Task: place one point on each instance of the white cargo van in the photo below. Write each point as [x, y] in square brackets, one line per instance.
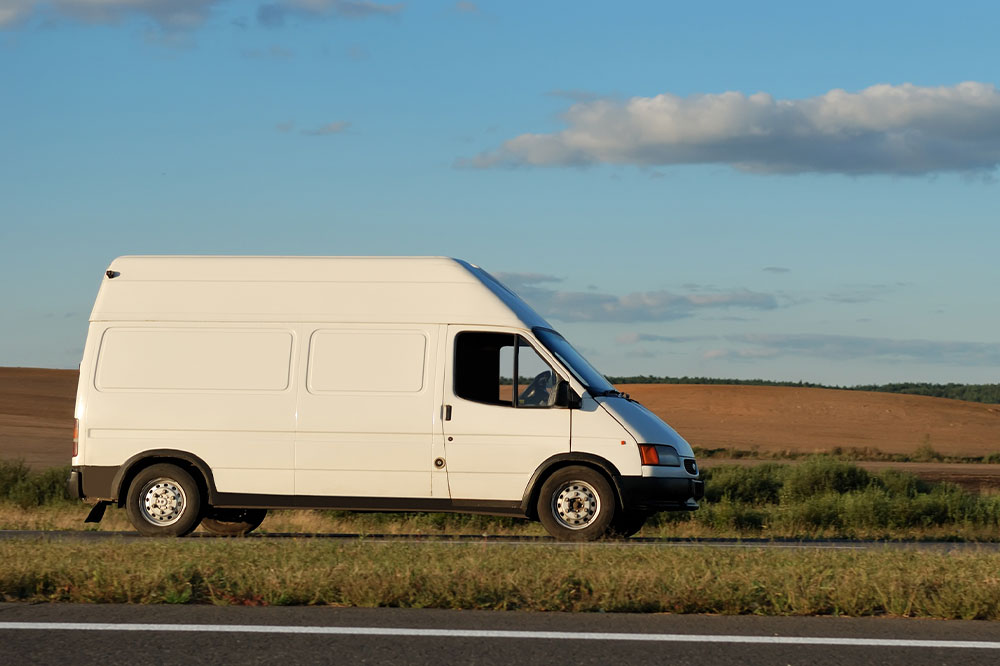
[215, 388]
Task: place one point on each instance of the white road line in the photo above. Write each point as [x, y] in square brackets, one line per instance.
[486, 633]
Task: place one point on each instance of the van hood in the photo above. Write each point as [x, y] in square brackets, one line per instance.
[644, 425]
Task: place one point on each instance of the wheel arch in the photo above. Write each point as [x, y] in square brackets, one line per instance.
[551, 465]
[195, 466]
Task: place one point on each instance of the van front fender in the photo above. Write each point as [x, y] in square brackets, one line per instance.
[530, 497]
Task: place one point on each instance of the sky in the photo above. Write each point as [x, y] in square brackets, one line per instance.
[778, 190]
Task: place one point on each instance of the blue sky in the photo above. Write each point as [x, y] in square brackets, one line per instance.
[773, 190]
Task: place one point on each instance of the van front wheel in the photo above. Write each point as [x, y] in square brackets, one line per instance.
[233, 522]
[163, 500]
[576, 504]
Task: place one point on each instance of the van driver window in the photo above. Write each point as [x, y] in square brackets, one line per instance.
[493, 368]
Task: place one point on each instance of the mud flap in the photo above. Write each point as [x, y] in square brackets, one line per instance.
[97, 513]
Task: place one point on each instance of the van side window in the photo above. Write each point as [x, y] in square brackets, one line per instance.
[493, 368]
[536, 383]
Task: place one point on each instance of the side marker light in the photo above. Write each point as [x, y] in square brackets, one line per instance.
[648, 454]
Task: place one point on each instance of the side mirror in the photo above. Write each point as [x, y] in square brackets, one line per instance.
[566, 397]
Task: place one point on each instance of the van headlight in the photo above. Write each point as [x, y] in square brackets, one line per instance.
[659, 454]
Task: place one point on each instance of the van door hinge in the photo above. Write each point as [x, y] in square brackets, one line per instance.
[447, 412]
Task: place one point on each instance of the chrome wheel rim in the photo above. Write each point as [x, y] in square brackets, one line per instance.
[576, 505]
[162, 502]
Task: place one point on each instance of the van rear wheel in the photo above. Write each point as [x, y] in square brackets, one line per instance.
[233, 522]
[576, 504]
[163, 500]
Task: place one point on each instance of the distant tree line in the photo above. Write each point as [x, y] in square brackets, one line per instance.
[987, 393]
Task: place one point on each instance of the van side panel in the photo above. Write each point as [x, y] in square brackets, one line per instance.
[194, 359]
[223, 393]
[366, 411]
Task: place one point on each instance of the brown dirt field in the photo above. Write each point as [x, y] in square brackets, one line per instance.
[36, 415]
[36, 418]
[811, 420]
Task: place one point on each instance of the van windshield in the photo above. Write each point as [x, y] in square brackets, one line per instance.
[581, 369]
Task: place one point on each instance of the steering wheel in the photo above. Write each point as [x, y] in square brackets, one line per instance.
[537, 392]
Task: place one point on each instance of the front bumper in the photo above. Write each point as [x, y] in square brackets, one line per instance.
[650, 493]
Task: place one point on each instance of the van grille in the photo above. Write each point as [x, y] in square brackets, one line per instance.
[691, 466]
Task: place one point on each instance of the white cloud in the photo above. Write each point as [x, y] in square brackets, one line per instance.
[330, 128]
[895, 129]
[640, 353]
[845, 347]
[739, 353]
[661, 305]
[12, 11]
[181, 14]
[169, 14]
[275, 13]
[634, 338]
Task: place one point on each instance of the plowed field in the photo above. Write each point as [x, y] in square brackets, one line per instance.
[36, 418]
[778, 418]
[36, 415]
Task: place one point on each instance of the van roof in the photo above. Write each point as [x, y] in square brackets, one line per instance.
[320, 289]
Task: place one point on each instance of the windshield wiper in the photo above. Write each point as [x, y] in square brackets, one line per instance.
[613, 393]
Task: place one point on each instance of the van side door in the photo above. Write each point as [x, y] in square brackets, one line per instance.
[500, 421]
[365, 411]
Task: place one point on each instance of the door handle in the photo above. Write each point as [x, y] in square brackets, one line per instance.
[447, 412]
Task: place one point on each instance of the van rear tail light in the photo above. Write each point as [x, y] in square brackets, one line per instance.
[659, 454]
[76, 438]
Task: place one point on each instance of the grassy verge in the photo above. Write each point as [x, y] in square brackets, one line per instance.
[22, 486]
[819, 497]
[719, 520]
[826, 496]
[538, 578]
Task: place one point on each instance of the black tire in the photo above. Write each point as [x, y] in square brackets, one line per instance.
[576, 504]
[233, 522]
[163, 500]
[625, 524]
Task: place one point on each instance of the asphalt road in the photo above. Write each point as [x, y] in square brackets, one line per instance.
[162, 635]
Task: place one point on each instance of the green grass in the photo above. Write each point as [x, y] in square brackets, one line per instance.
[819, 497]
[828, 497]
[474, 576]
[21, 485]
